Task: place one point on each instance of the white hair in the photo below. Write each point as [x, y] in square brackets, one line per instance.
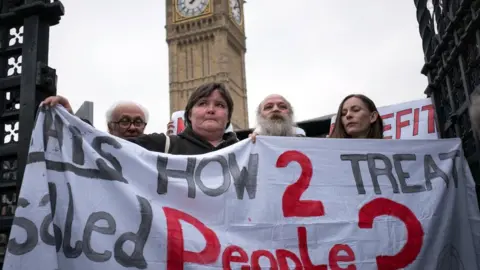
[109, 113]
[290, 107]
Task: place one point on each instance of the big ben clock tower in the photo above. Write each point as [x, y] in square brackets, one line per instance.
[206, 43]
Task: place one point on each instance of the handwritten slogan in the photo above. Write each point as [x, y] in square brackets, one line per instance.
[93, 201]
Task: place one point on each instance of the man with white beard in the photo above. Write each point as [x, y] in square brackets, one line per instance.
[275, 118]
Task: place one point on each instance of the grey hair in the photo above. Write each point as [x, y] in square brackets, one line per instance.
[290, 108]
[109, 113]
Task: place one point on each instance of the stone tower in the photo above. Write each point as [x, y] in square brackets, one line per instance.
[206, 43]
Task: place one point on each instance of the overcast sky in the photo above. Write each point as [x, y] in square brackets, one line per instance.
[312, 52]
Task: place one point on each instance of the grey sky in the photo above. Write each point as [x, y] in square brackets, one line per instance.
[312, 52]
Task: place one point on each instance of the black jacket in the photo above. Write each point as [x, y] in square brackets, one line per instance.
[185, 143]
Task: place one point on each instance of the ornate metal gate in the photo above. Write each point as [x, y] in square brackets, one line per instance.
[25, 80]
[450, 32]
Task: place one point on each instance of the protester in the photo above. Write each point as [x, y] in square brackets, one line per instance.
[358, 118]
[207, 114]
[275, 117]
[126, 119]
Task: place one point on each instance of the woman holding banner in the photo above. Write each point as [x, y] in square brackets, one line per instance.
[207, 115]
[359, 119]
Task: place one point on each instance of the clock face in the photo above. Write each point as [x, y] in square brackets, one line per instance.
[191, 8]
[236, 11]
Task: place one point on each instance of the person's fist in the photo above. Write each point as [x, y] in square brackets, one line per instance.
[54, 100]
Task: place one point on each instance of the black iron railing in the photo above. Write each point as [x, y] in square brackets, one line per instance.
[25, 80]
[450, 32]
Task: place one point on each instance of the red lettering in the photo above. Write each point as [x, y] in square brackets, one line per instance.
[334, 257]
[303, 247]
[176, 253]
[280, 260]
[177, 256]
[411, 249]
[291, 204]
[283, 255]
[180, 125]
[267, 254]
[401, 124]
[431, 117]
[416, 119]
[228, 257]
[387, 127]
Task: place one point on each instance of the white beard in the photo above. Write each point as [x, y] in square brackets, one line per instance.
[275, 127]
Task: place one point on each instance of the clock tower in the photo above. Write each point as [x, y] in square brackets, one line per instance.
[206, 43]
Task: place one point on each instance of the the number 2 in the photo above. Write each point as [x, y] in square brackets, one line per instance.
[291, 204]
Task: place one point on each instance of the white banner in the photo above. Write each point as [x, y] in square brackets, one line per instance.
[409, 120]
[282, 203]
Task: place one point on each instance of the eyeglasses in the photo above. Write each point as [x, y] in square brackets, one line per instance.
[126, 123]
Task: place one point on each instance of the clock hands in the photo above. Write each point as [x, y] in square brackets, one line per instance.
[191, 8]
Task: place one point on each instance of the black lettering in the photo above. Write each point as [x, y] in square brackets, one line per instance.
[376, 172]
[430, 164]
[357, 173]
[56, 132]
[403, 176]
[58, 166]
[90, 227]
[225, 173]
[139, 239]
[44, 200]
[452, 155]
[78, 155]
[22, 202]
[246, 179]
[106, 171]
[69, 251]
[164, 174]
[31, 230]
[47, 238]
